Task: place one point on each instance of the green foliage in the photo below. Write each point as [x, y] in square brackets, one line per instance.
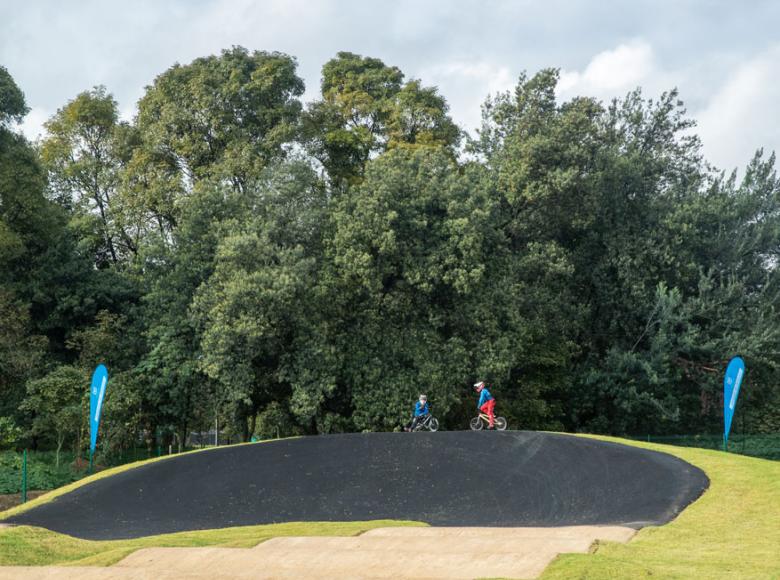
[275, 421]
[20, 351]
[101, 343]
[765, 446]
[27, 219]
[124, 412]
[223, 116]
[238, 260]
[10, 433]
[58, 405]
[45, 470]
[259, 294]
[83, 154]
[12, 105]
[365, 109]
[408, 251]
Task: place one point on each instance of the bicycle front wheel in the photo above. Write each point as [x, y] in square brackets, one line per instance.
[476, 424]
[433, 426]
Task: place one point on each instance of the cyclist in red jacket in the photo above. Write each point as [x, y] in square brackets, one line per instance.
[486, 402]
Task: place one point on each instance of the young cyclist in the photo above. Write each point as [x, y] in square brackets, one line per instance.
[486, 402]
[421, 411]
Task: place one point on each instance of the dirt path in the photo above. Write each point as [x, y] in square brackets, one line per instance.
[384, 553]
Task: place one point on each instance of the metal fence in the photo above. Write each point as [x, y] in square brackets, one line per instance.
[766, 446]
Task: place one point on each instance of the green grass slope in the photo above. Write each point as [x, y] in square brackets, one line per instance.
[732, 531]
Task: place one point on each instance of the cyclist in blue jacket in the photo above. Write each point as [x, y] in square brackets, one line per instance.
[421, 411]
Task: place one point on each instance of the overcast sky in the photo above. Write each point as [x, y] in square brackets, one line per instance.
[724, 56]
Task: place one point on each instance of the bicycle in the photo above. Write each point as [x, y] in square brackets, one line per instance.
[429, 423]
[482, 420]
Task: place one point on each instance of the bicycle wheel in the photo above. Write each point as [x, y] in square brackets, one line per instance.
[476, 424]
[500, 423]
[433, 425]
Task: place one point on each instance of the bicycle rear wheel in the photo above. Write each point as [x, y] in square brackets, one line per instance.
[500, 423]
[476, 424]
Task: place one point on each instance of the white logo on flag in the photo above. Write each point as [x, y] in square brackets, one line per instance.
[735, 392]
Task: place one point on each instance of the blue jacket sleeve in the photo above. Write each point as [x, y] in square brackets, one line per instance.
[484, 397]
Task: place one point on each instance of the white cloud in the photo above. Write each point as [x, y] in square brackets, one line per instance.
[743, 113]
[32, 125]
[491, 78]
[612, 73]
[736, 113]
[466, 86]
[468, 49]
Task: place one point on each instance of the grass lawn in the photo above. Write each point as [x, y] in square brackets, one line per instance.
[732, 531]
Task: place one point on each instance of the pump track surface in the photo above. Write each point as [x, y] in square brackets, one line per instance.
[496, 479]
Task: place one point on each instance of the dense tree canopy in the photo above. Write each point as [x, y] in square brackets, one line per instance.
[238, 258]
[365, 109]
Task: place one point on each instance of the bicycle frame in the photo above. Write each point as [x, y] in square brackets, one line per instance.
[483, 420]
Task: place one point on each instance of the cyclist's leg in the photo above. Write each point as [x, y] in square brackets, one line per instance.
[485, 409]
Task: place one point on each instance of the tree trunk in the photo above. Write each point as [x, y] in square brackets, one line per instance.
[182, 437]
[60, 441]
[151, 438]
[252, 424]
[245, 429]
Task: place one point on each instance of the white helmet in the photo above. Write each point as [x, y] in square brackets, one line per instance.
[479, 386]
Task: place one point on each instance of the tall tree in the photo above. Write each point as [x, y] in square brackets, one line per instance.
[223, 117]
[366, 108]
[84, 157]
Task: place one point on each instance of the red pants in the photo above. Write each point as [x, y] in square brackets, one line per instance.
[487, 408]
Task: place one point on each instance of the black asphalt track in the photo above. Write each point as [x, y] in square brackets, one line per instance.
[446, 479]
